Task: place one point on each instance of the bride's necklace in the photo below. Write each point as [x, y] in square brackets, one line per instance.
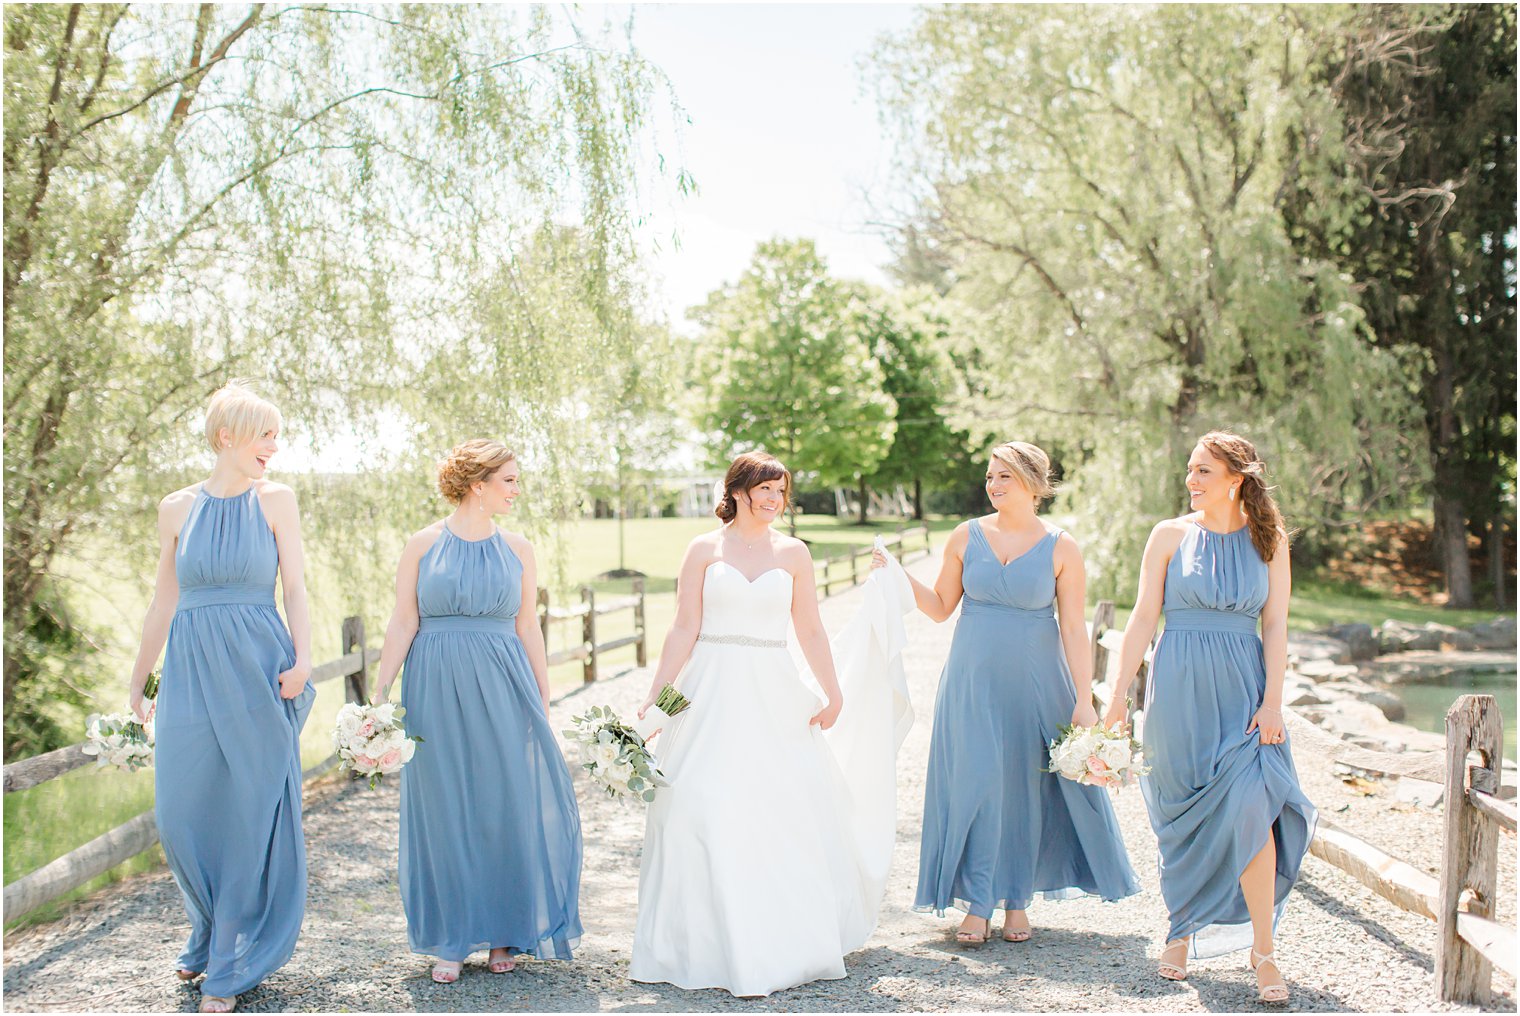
[748, 545]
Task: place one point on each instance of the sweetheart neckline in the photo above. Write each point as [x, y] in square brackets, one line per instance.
[747, 580]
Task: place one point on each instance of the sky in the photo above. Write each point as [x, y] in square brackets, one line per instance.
[783, 140]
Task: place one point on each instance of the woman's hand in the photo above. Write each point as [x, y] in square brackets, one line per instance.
[293, 681]
[135, 706]
[654, 693]
[1268, 724]
[1084, 715]
[1116, 716]
[826, 716]
[878, 559]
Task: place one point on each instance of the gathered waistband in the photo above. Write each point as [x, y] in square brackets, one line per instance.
[1208, 619]
[973, 607]
[466, 622]
[255, 594]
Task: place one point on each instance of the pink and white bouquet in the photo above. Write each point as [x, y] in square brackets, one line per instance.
[120, 739]
[1096, 756]
[371, 741]
[615, 755]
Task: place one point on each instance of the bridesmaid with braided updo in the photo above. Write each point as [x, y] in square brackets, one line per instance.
[1231, 822]
[490, 833]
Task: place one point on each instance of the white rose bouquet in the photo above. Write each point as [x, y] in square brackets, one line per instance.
[615, 755]
[371, 741]
[1096, 756]
[119, 739]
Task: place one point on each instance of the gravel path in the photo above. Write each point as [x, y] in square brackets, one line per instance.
[1343, 948]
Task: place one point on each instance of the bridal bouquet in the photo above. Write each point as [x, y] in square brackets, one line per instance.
[1096, 756]
[119, 739]
[615, 754]
[371, 741]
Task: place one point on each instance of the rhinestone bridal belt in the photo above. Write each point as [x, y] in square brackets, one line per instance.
[742, 640]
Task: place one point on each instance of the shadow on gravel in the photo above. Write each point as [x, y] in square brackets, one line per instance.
[1349, 912]
[1221, 991]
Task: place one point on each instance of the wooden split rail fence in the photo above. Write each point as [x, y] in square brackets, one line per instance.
[848, 568]
[140, 833]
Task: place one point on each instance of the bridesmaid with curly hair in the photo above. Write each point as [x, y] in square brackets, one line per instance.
[490, 832]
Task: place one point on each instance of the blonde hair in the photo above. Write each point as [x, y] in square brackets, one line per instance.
[1030, 464]
[243, 413]
[1263, 517]
[468, 464]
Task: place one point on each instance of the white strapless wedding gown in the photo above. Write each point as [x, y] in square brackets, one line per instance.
[766, 858]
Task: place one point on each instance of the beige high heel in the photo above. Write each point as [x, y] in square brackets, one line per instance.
[1169, 970]
[447, 971]
[971, 938]
[1273, 994]
[504, 965]
[1015, 934]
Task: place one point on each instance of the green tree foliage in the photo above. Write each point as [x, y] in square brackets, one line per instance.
[786, 369]
[352, 203]
[1101, 186]
[1426, 96]
[908, 332]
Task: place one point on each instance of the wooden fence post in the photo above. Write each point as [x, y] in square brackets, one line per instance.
[588, 633]
[1103, 619]
[1470, 852]
[641, 649]
[854, 569]
[353, 641]
[543, 616]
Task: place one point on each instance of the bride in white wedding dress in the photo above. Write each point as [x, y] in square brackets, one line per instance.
[766, 857]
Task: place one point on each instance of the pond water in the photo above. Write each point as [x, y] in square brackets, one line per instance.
[1427, 701]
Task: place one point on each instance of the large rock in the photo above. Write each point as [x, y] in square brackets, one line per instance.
[1397, 637]
[1325, 670]
[1496, 634]
[1305, 648]
[1359, 639]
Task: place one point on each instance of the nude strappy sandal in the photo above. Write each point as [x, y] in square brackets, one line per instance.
[1273, 994]
[1169, 970]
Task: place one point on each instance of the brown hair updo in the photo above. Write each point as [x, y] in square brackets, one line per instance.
[1262, 513]
[468, 464]
[747, 471]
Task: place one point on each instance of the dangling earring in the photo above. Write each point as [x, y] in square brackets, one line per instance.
[480, 502]
[1232, 492]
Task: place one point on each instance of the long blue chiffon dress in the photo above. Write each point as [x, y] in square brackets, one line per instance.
[996, 829]
[490, 831]
[227, 766]
[1214, 792]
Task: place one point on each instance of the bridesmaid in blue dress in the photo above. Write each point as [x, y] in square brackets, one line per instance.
[490, 832]
[232, 699]
[1231, 822]
[997, 830]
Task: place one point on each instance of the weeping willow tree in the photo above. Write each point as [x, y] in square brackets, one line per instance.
[350, 204]
[1102, 189]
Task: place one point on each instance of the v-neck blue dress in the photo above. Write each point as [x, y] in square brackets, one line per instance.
[997, 830]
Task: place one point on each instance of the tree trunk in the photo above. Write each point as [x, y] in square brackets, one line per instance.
[1496, 570]
[918, 500]
[1451, 531]
[864, 500]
